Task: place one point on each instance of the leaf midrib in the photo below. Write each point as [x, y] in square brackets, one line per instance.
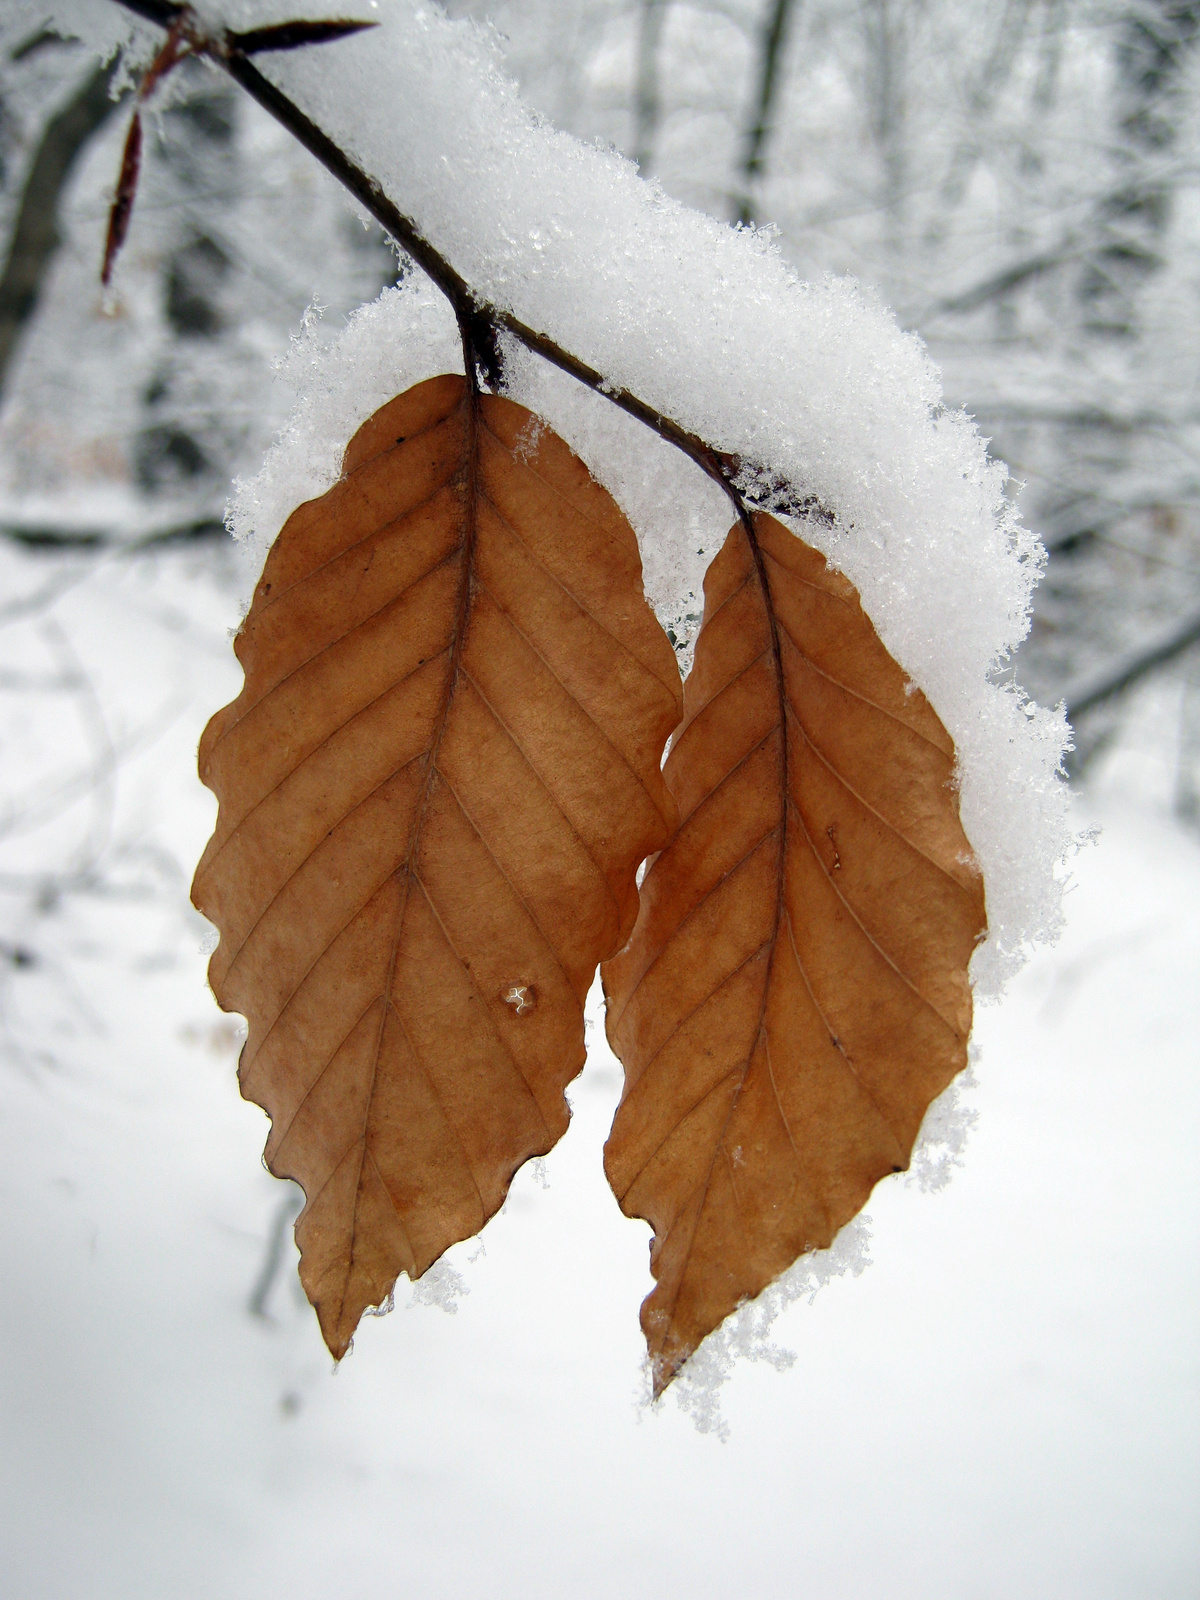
[756, 557]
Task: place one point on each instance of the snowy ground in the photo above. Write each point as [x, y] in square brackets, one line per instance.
[1005, 1404]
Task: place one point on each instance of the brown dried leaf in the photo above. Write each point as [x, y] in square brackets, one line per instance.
[795, 990]
[435, 787]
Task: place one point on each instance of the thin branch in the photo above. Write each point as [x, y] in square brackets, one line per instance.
[1010, 278]
[35, 43]
[39, 803]
[286, 1211]
[1114, 682]
[40, 536]
[1090, 237]
[31, 605]
[982, 95]
[484, 321]
[1088, 517]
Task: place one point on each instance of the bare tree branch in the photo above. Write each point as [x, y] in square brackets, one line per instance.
[273, 1256]
[1000, 283]
[41, 536]
[1117, 679]
[982, 94]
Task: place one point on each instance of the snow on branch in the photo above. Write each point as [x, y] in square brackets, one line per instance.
[791, 394]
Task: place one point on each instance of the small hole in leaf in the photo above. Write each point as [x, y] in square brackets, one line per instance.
[522, 997]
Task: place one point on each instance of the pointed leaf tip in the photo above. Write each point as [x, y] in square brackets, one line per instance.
[795, 992]
[293, 35]
[435, 790]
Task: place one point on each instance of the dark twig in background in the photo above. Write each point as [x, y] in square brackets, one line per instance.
[1115, 680]
[774, 35]
[647, 106]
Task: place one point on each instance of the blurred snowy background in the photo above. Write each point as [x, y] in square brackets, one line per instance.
[1007, 1402]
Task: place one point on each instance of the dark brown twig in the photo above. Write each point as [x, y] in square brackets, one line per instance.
[185, 38]
[293, 35]
[177, 44]
[122, 206]
[479, 322]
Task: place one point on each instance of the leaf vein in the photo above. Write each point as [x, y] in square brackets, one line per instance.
[300, 865]
[671, 689]
[574, 699]
[496, 1034]
[412, 1254]
[349, 633]
[317, 748]
[864, 930]
[856, 695]
[683, 921]
[544, 786]
[393, 526]
[517, 895]
[713, 698]
[679, 1122]
[282, 1139]
[436, 1092]
[867, 806]
[842, 1053]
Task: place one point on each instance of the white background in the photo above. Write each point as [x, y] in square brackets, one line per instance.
[1005, 1404]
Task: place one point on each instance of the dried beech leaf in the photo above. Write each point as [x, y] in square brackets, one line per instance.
[795, 990]
[435, 789]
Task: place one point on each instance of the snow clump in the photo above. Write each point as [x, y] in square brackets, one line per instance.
[815, 383]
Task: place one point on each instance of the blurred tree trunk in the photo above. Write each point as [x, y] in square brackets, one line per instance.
[36, 237]
[772, 38]
[647, 105]
[885, 25]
